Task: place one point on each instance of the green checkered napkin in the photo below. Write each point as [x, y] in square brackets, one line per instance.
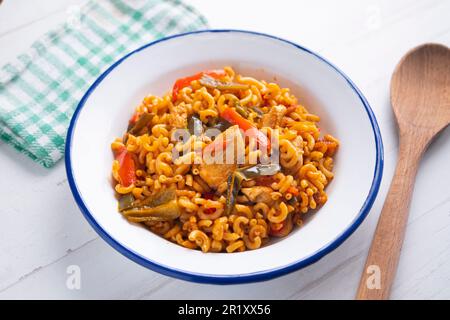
[40, 89]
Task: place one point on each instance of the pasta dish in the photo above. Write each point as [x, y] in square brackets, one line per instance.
[222, 163]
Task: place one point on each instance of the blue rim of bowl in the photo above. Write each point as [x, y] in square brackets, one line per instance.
[229, 279]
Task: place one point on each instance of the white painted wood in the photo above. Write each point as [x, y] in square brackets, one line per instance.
[22, 22]
[42, 231]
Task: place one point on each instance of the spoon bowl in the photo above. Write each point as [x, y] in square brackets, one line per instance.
[420, 92]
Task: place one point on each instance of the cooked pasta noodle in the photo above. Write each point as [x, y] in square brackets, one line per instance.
[165, 181]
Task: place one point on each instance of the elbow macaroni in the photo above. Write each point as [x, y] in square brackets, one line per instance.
[306, 161]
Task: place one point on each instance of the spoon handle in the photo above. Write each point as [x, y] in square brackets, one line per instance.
[381, 263]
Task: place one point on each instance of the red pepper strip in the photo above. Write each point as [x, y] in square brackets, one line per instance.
[184, 82]
[249, 128]
[134, 118]
[127, 170]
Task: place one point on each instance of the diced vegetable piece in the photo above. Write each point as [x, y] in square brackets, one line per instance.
[209, 196]
[293, 190]
[140, 124]
[184, 82]
[284, 230]
[212, 83]
[195, 125]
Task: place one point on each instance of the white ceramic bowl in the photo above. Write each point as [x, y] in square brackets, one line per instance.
[104, 110]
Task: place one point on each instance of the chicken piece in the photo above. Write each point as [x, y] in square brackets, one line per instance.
[215, 174]
[273, 117]
[228, 149]
[258, 194]
[178, 122]
[179, 117]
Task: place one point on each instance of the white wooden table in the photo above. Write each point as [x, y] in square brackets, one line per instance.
[42, 232]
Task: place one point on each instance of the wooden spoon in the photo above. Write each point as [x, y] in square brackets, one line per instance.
[420, 97]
